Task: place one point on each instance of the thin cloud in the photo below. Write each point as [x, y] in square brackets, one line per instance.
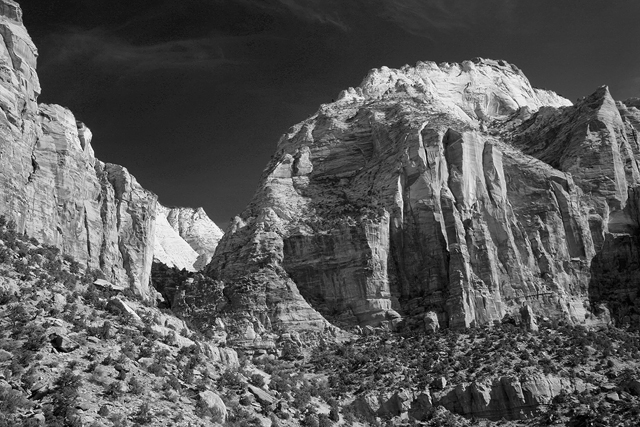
[424, 17]
[109, 51]
[418, 17]
[334, 13]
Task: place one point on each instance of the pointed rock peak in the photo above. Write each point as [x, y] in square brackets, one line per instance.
[603, 91]
[598, 98]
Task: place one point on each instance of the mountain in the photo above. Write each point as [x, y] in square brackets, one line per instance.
[57, 191]
[455, 192]
[443, 245]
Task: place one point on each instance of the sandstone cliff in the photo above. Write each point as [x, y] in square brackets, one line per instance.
[197, 229]
[169, 248]
[50, 182]
[455, 188]
[185, 238]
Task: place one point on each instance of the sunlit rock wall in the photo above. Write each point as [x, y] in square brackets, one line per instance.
[50, 182]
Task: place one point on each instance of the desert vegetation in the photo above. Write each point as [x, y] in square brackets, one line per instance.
[72, 355]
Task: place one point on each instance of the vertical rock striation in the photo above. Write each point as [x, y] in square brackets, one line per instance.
[456, 189]
[52, 185]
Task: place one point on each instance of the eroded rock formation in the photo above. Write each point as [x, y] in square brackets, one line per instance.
[185, 238]
[507, 398]
[452, 188]
[197, 229]
[52, 185]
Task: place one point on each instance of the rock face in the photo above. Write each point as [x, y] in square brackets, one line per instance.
[169, 248]
[52, 185]
[458, 188]
[528, 319]
[506, 397]
[185, 238]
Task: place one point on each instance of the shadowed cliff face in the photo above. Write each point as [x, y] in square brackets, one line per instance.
[434, 188]
[597, 143]
[50, 182]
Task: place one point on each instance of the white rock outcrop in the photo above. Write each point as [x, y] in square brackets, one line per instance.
[198, 230]
[185, 238]
[169, 248]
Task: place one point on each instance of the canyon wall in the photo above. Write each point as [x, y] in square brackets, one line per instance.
[52, 185]
[457, 189]
[450, 190]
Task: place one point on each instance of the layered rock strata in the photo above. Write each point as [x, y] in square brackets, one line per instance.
[453, 188]
[52, 185]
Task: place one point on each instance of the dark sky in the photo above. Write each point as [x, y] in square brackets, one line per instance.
[192, 95]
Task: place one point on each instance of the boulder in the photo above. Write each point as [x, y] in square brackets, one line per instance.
[367, 405]
[421, 407]
[214, 403]
[613, 397]
[431, 323]
[399, 403]
[262, 396]
[63, 343]
[105, 284]
[59, 301]
[5, 356]
[41, 388]
[117, 305]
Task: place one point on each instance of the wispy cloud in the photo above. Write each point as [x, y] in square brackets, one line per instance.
[334, 13]
[425, 17]
[418, 17]
[108, 51]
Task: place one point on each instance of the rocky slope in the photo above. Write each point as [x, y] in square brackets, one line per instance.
[79, 351]
[502, 374]
[456, 189]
